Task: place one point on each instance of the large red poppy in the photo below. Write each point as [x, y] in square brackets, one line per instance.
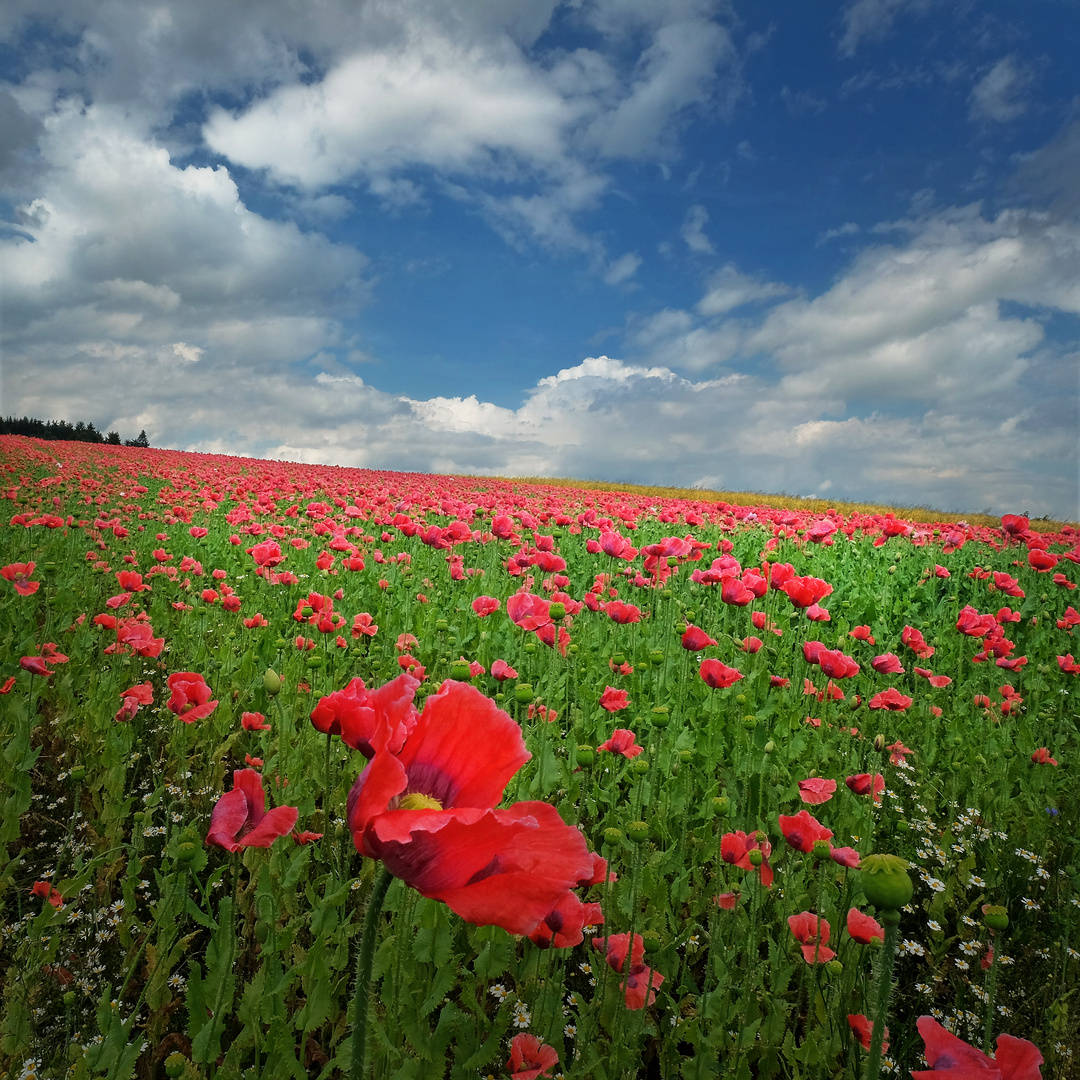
[190, 698]
[427, 810]
[1016, 1059]
[717, 675]
[801, 830]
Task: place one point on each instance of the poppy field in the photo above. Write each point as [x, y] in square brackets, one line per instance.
[324, 772]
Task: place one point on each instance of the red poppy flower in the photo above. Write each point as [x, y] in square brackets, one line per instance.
[19, 576]
[751, 644]
[502, 671]
[865, 784]
[717, 675]
[622, 742]
[931, 678]
[862, 633]
[190, 698]
[363, 624]
[816, 790]
[728, 900]
[47, 892]
[864, 1030]
[254, 721]
[813, 934]
[36, 665]
[266, 554]
[695, 639]
[8, 684]
[485, 605]
[356, 713]
[614, 700]
[805, 591]
[639, 979]
[890, 699]
[1042, 757]
[736, 848]
[863, 928]
[563, 928]
[898, 752]
[427, 810]
[240, 818]
[836, 664]
[816, 613]
[802, 830]
[528, 611]
[914, 640]
[622, 613]
[845, 856]
[530, 1058]
[1016, 1059]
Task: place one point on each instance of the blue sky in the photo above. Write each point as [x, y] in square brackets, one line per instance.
[826, 249]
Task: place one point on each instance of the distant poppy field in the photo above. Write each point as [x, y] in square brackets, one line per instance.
[323, 772]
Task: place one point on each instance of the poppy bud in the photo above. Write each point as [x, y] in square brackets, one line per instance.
[586, 756]
[638, 831]
[460, 670]
[557, 611]
[769, 747]
[995, 917]
[886, 882]
[879, 743]
[271, 682]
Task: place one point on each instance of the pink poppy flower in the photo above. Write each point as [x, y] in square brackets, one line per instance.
[863, 928]
[622, 742]
[717, 675]
[614, 700]
[813, 934]
[865, 784]
[530, 1058]
[1016, 1059]
[890, 699]
[816, 790]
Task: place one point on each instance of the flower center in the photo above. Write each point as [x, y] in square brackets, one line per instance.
[416, 801]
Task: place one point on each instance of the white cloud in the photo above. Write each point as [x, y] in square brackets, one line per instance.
[728, 289]
[622, 269]
[871, 20]
[692, 230]
[999, 94]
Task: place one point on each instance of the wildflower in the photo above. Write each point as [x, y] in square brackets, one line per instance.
[863, 928]
[1016, 1059]
[19, 576]
[190, 698]
[355, 712]
[622, 742]
[898, 753]
[47, 892]
[1042, 757]
[498, 992]
[530, 1058]
[425, 805]
[485, 605]
[717, 675]
[816, 790]
[641, 982]
[240, 818]
[614, 700]
[801, 830]
[522, 1016]
[748, 852]
[254, 721]
[695, 639]
[865, 784]
[864, 1030]
[502, 671]
[813, 933]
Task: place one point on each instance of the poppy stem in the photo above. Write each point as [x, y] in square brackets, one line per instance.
[891, 922]
[362, 986]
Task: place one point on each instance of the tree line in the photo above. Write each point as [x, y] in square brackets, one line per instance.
[62, 429]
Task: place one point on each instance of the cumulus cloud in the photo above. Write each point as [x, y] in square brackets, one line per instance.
[693, 227]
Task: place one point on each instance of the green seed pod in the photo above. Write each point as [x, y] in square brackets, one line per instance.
[903, 825]
[618, 659]
[639, 766]
[834, 967]
[442, 625]
[271, 682]
[315, 662]
[572, 648]
[821, 849]
[722, 805]
[557, 611]
[175, 1064]
[523, 693]
[740, 698]
[281, 643]
[186, 852]
[78, 774]
[886, 882]
[612, 835]
[69, 998]
[686, 756]
[530, 646]
[651, 940]
[638, 831]
[586, 756]
[755, 857]
[661, 716]
[995, 917]
[749, 721]
[656, 657]
[460, 670]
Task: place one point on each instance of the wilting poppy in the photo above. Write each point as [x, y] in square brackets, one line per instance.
[240, 818]
[890, 699]
[1016, 1059]
[427, 810]
[738, 848]
[1042, 757]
